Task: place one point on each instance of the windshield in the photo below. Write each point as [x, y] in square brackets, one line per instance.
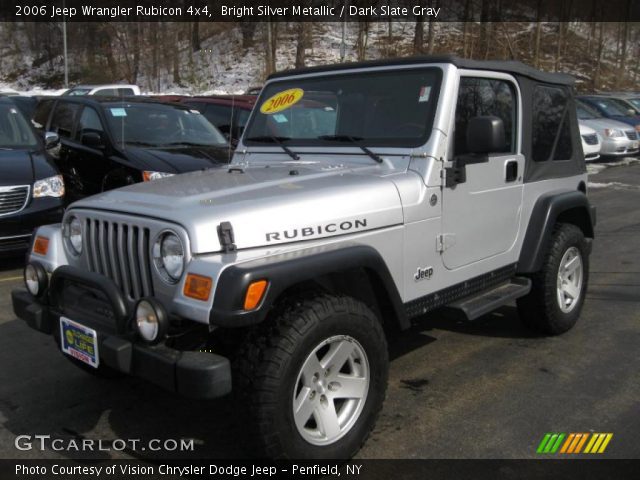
[635, 102]
[611, 106]
[14, 129]
[390, 108]
[160, 125]
[77, 91]
[586, 113]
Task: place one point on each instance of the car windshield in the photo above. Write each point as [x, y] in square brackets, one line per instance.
[586, 113]
[77, 91]
[14, 129]
[635, 102]
[611, 106]
[160, 125]
[373, 108]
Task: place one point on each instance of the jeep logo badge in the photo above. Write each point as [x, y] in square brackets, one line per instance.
[423, 273]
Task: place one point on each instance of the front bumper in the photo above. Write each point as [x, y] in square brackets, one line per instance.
[190, 373]
[17, 228]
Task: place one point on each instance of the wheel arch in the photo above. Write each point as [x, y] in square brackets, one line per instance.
[566, 207]
[358, 271]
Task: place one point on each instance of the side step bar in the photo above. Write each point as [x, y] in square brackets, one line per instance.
[474, 306]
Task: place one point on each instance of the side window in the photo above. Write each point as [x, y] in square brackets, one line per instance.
[125, 92]
[89, 122]
[63, 118]
[220, 116]
[41, 115]
[107, 92]
[551, 129]
[484, 96]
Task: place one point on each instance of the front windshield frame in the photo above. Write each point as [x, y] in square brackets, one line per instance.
[121, 137]
[27, 139]
[300, 81]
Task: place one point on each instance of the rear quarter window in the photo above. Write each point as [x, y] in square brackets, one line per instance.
[551, 130]
[41, 115]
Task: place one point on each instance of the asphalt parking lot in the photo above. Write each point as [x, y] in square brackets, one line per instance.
[489, 389]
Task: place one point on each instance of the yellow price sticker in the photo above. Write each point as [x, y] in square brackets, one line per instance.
[281, 101]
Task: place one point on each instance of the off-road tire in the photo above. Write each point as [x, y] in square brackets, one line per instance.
[269, 361]
[540, 309]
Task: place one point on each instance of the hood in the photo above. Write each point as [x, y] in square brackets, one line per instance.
[16, 167]
[179, 159]
[599, 124]
[585, 130]
[266, 205]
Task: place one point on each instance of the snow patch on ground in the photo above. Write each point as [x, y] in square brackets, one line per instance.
[614, 185]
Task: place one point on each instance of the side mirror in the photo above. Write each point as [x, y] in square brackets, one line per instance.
[486, 135]
[92, 140]
[51, 140]
[631, 112]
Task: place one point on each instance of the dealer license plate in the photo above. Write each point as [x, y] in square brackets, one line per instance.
[79, 341]
[635, 145]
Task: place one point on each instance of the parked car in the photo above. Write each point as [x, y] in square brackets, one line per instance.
[228, 113]
[618, 138]
[31, 188]
[108, 142]
[590, 142]
[114, 90]
[612, 108]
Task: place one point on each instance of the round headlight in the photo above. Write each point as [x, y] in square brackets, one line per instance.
[73, 233]
[35, 279]
[168, 255]
[151, 320]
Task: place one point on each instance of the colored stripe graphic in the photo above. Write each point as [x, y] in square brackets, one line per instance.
[574, 443]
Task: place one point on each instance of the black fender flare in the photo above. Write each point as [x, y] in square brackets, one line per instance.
[572, 205]
[289, 269]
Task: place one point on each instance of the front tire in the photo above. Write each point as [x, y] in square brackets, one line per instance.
[313, 378]
[554, 304]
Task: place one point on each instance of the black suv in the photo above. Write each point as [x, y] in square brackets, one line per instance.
[107, 143]
[31, 188]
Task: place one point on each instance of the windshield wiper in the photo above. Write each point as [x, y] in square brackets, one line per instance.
[141, 144]
[354, 140]
[191, 144]
[279, 140]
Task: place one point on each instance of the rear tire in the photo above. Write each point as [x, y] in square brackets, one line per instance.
[313, 378]
[557, 294]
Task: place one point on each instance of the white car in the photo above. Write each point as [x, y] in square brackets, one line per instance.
[591, 142]
[114, 90]
[618, 139]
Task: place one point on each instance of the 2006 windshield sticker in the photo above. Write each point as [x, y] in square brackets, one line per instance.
[281, 101]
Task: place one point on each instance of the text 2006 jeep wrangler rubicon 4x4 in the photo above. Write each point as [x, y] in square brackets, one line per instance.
[360, 196]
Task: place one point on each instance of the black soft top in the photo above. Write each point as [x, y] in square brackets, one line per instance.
[506, 66]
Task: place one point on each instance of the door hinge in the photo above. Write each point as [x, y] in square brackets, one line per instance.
[444, 241]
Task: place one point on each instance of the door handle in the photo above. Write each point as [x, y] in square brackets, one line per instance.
[511, 171]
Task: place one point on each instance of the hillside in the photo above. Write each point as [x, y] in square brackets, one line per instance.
[225, 58]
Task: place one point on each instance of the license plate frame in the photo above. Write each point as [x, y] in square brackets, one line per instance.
[79, 342]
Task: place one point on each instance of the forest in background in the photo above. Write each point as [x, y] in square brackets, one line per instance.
[196, 57]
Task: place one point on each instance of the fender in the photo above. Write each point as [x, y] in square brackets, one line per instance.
[570, 207]
[286, 270]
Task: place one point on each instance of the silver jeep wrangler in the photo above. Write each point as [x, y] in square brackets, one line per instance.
[360, 197]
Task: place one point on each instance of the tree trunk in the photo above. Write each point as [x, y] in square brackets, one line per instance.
[195, 37]
[301, 45]
[556, 65]
[484, 29]
[623, 50]
[418, 36]
[596, 75]
[270, 56]
[247, 30]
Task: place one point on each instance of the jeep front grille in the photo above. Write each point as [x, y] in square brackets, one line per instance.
[590, 139]
[120, 251]
[631, 134]
[13, 199]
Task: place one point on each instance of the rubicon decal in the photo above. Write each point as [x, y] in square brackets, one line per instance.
[572, 443]
[329, 228]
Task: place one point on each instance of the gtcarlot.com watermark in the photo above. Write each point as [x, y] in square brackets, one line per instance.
[47, 442]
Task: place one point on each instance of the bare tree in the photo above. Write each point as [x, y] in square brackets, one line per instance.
[301, 44]
[271, 45]
[418, 35]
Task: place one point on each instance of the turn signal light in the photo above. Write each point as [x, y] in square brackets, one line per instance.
[198, 287]
[254, 295]
[41, 245]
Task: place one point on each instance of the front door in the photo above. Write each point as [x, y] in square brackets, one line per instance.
[481, 216]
